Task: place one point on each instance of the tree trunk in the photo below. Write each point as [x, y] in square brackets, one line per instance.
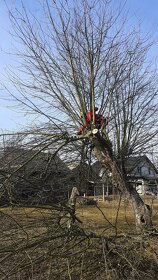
[103, 152]
[143, 212]
[72, 206]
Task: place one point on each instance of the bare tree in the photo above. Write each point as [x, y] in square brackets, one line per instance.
[77, 56]
[134, 103]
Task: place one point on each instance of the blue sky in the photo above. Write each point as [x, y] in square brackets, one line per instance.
[144, 12]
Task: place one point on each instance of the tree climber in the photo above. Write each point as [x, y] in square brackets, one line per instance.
[100, 122]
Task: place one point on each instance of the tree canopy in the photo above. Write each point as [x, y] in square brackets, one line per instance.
[77, 55]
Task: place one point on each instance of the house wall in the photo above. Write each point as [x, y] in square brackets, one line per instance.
[144, 169]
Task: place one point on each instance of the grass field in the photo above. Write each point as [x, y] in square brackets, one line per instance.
[114, 213]
[36, 244]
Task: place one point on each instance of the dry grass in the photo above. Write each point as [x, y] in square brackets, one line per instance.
[34, 245]
[112, 214]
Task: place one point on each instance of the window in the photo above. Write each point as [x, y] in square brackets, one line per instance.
[149, 170]
[139, 170]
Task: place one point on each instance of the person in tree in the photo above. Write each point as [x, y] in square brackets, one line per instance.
[100, 125]
[100, 122]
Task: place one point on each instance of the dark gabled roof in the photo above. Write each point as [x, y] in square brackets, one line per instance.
[97, 167]
[132, 162]
[31, 160]
[84, 171]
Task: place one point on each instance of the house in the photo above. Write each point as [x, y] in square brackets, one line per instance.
[85, 178]
[36, 177]
[142, 174]
[103, 186]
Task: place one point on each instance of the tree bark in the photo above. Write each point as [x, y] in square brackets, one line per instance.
[103, 152]
[72, 206]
